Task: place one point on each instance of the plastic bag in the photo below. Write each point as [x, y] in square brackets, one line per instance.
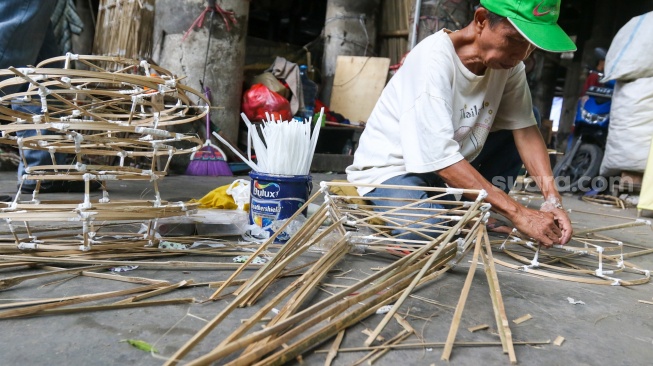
[259, 99]
[629, 56]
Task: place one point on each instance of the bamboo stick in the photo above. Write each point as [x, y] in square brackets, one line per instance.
[6, 283]
[436, 344]
[457, 315]
[333, 351]
[495, 293]
[132, 305]
[170, 264]
[30, 310]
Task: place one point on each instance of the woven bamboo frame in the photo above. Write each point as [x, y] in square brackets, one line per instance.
[95, 113]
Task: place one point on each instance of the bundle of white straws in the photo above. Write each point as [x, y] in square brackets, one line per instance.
[281, 147]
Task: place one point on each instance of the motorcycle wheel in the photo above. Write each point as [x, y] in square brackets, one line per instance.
[583, 167]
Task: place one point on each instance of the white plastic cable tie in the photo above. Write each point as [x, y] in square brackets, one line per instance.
[37, 118]
[80, 167]
[467, 204]
[647, 273]
[503, 245]
[76, 113]
[27, 246]
[84, 248]
[66, 82]
[485, 207]
[156, 116]
[137, 99]
[144, 64]
[60, 126]
[485, 217]
[153, 131]
[72, 56]
[25, 70]
[615, 282]
[482, 195]
[530, 244]
[172, 83]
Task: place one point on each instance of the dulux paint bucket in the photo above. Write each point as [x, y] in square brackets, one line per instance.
[275, 198]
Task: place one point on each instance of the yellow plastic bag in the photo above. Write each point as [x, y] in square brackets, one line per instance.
[222, 198]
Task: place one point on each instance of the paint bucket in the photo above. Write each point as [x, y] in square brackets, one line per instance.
[275, 198]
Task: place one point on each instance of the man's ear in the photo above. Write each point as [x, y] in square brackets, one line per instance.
[480, 19]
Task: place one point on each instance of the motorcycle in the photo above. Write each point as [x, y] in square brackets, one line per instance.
[586, 144]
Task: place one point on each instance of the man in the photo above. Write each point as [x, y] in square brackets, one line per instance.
[456, 90]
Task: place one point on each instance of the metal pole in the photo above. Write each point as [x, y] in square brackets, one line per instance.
[413, 33]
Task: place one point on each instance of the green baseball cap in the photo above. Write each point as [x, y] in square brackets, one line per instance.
[536, 20]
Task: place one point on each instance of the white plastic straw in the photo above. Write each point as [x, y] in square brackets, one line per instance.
[281, 147]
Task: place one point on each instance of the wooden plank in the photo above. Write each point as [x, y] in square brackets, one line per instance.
[357, 85]
[558, 341]
[522, 319]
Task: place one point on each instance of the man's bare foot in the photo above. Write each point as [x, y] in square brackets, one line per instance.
[498, 226]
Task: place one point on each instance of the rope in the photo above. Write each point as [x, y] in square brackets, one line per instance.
[227, 16]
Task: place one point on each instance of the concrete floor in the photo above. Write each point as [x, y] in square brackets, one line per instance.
[612, 328]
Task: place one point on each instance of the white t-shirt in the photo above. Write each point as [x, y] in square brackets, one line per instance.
[434, 112]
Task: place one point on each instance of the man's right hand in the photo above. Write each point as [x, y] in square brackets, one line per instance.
[541, 226]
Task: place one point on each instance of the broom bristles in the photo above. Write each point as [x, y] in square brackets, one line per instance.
[209, 162]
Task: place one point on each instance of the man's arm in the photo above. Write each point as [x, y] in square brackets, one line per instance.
[533, 153]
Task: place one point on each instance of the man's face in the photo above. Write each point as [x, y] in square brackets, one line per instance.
[502, 46]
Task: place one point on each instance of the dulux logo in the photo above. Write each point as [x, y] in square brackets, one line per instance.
[270, 190]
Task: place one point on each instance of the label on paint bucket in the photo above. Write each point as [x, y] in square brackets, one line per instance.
[275, 198]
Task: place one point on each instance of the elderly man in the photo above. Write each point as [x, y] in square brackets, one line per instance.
[459, 112]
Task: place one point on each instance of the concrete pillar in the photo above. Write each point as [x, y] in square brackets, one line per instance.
[223, 69]
[349, 30]
[438, 14]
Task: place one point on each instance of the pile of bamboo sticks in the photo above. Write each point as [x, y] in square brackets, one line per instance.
[124, 29]
[295, 329]
[395, 20]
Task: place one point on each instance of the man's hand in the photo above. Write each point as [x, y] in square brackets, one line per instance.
[553, 205]
[542, 226]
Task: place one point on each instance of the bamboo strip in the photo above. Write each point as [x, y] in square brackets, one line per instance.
[133, 305]
[170, 264]
[457, 315]
[436, 344]
[371, 356]
[333, 351]
[159, 291]
[495, 293]
[613, 227]
[6, 283]
[30, 310]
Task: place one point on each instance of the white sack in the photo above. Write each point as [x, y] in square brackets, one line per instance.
[631, 127]
[629, 56]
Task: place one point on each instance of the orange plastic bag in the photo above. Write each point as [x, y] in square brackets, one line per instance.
[259, 99]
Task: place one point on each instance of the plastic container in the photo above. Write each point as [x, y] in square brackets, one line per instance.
[309, 88]
[275, 198]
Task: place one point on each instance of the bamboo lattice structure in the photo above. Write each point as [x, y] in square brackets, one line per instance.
[89, 114]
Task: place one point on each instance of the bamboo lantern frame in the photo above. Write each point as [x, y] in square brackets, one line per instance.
[93, 113]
